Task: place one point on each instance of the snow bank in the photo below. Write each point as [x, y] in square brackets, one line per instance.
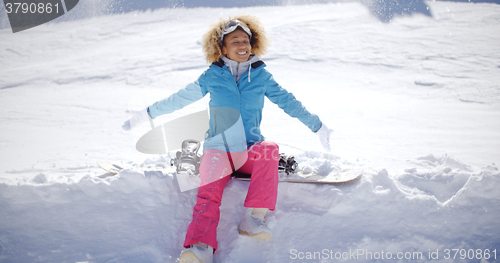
[438, 204]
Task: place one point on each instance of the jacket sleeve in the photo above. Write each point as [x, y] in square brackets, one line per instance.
[189, 94]
[286, 101]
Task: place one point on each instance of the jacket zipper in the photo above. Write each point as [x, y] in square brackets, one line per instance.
[236, 75]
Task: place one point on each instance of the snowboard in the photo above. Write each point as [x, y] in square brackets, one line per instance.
[334, 178]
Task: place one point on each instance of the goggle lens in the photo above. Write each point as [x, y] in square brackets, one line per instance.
[232, 25]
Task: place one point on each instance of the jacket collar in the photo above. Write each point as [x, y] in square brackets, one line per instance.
[254, 65]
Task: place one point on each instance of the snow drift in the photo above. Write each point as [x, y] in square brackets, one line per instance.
[438, 204]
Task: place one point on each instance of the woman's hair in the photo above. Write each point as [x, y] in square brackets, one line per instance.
[212, 45]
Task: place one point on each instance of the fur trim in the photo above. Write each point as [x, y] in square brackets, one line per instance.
[211, 39]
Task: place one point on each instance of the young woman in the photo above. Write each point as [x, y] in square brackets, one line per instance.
[237, 82]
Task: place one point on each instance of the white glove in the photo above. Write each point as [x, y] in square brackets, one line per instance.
[324, 136]
[138, 117]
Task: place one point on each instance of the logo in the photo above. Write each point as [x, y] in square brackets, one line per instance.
[25, 14]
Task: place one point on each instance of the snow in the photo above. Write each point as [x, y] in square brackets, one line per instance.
[415, 102]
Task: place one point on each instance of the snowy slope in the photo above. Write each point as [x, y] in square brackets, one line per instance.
[414, 102]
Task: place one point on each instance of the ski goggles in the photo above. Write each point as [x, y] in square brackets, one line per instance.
[232, 25]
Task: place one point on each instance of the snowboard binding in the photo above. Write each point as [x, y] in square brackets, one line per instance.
[287, 164]
[187, 160]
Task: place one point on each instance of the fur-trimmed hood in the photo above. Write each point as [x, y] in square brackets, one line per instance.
[211, 39]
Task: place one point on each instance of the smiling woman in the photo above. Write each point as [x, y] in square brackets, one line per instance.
[212, 40]
[236, 46]
[233, 47]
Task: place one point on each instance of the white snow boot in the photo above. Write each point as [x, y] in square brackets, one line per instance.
[197, 253]
[254, 225]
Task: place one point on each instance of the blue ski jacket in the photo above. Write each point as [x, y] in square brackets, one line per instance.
[246, 96]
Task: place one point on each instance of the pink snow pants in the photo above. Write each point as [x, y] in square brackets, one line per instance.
[262, 164]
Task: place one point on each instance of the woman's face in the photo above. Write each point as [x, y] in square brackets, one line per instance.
[237, 46]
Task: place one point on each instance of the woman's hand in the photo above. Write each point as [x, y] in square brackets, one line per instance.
[324, 136]
[138, 117]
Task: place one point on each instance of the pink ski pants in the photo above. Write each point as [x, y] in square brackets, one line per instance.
[262, 164]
